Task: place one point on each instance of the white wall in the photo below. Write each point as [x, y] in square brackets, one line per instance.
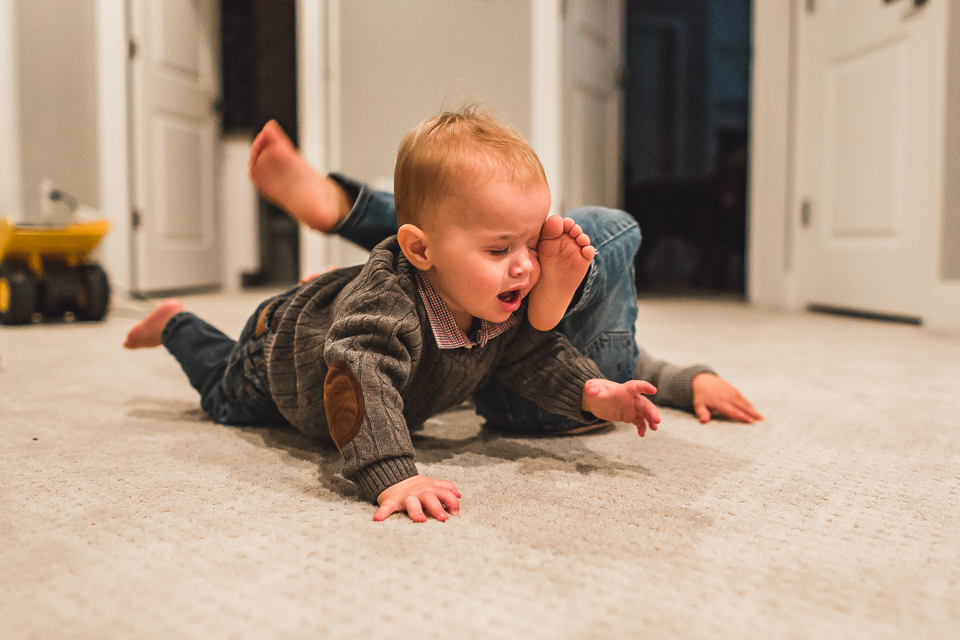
[401, 61]
[56, 52]
[10, 204]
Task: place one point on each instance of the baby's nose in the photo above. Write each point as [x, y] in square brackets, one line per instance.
[522, 266]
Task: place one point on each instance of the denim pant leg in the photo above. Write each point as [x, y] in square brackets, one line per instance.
[600, 324]
[373, 217]
[231, 376]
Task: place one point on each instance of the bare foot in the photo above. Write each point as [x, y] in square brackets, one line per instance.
[284, 177]
[565, 253]
[146, 333]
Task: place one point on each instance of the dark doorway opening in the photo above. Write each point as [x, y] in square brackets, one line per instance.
[686, 124]
[259, 75]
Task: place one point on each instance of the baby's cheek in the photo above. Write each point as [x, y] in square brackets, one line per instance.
[482, 282]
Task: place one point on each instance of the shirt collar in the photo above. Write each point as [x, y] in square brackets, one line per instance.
[445, 330]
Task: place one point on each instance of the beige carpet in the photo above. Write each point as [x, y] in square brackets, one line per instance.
[125, 514]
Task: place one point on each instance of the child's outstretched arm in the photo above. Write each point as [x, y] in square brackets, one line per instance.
[415, 494]
[625, 402]
[564, 252]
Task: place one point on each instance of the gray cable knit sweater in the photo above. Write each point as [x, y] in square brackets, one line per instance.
[352, 357]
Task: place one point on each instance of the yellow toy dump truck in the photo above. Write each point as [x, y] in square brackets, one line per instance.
[47, 269]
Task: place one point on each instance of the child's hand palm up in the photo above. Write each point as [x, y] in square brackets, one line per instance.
[622, 403]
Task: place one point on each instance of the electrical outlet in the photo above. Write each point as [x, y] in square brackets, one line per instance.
[46, 204]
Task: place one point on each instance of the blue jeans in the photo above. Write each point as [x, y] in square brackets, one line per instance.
[230, 375]
[600, 322]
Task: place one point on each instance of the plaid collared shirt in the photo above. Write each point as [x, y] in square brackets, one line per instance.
[445, 330]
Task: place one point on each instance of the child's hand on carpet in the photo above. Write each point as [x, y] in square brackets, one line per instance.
[712, 393]
[415, 494]
[625, 402]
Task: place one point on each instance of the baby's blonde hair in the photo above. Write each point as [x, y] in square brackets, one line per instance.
[450, 152]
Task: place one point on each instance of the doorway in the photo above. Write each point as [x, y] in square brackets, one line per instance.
[686, 141]
[259, 84]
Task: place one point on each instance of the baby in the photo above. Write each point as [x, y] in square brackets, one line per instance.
[359, 355]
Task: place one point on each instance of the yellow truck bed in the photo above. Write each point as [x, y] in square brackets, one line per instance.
[70, 244]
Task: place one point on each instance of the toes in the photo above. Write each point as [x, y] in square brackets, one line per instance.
[552, 228]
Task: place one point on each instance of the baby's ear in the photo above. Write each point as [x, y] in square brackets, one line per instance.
[413, 243]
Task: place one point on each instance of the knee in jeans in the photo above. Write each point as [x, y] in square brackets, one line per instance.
[605, 225]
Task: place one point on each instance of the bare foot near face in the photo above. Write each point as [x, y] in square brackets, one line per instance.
[146, 333]
[284, 177]
[565, 253]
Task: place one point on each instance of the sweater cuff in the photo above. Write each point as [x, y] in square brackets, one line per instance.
[374, 478]
[682, 388]
[571, 395]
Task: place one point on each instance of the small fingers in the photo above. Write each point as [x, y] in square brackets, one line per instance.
[735, 413]
[450, 500]
[703, 414]
[747, 408]
[642, 386]
[386, 509]
[413, 508]
[652, 415]
[434, 507]
[646, 415]
[449, 486]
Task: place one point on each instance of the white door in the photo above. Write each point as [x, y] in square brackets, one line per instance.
[592, 102]
[869, 118]
[176, 127]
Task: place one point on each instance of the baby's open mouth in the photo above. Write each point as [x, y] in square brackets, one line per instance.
[510, 296]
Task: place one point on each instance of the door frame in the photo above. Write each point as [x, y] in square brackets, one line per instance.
[113, 115]
[318, 87]
[772, 278]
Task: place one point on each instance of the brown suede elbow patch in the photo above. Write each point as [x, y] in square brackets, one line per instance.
[343, 404]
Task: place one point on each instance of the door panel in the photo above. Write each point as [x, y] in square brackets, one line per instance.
[864, 144]
[592, 102]
[179, 147]
[175, 86]
[869, 84]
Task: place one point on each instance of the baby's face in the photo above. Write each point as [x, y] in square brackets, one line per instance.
[484, 253]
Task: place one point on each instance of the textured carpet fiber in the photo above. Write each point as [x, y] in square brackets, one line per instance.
[124, 513]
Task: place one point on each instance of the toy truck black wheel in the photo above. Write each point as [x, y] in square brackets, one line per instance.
[93, 301]
[18, 296]
[59, 290]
